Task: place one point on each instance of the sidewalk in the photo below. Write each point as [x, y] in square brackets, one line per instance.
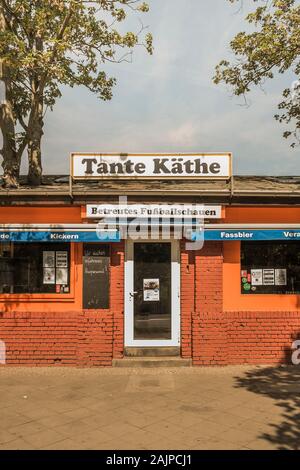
[192, 408]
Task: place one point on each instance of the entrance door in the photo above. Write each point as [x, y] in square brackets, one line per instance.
[152, 303]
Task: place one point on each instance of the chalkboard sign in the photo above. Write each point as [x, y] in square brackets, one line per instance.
[96, 260]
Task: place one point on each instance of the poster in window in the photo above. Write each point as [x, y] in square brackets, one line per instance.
[61, 276]
[48, 259]
[256, 277]
[268, 277]
[61, 259]
[49, 276]
[280, 277]
[151, 290]
[246, 286]
[6, 250]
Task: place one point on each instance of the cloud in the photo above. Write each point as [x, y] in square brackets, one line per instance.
[183, 135]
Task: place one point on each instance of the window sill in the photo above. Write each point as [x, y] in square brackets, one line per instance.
[37, 297]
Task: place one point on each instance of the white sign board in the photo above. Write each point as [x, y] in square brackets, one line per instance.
[268, 277]
[119, 166]
[61, 259]
[256, 277]
[174, 211]
[280, 277]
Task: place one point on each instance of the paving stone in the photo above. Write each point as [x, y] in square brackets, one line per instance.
[5, 437]
[118, 429]
[189, 408]
[66, 444]
[17, 444]
[74, 428]
[92, 439]
[42, 439]
[26, 429]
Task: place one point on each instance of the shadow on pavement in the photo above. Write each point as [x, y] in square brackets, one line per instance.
[282, 384]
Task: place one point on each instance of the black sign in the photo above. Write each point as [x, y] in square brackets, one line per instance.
[96, 259]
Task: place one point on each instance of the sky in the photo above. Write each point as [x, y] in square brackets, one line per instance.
[168, 102]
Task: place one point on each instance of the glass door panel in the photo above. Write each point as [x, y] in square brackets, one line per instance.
[152, 291]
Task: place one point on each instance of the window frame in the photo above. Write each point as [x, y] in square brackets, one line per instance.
[51, 297]
[253, 293]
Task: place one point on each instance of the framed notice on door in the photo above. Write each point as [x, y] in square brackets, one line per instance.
[151, 290]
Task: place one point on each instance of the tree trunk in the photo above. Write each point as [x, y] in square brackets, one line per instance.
[35, 170]
[11, 160]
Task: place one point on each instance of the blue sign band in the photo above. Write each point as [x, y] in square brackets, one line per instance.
[249, 235]
[93, 236]
[53, 236]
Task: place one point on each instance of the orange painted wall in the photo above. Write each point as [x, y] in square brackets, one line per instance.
[71, 302]
[45, 303]
[74, 214]
[39, 215]
[233, 300]
[259, 215]
[50, 302]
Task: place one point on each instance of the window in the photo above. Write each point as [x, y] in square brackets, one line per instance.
[270, 267]
[31, 268]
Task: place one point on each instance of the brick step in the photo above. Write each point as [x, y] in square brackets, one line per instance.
[167, 361]
[152, 352]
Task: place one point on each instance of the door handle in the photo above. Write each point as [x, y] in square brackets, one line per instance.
[132, 294]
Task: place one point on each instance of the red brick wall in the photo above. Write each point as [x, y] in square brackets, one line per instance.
[84, 338]
[95, 338]
[39, 338]
[207, 321]
[220, 338]
[187, 297]
[117, 297]
[260, 337]
[70, 338]
[246, 338]
[208, 335]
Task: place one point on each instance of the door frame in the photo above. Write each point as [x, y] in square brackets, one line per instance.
[129, 340]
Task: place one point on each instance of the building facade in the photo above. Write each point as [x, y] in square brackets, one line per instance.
[72, 293]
